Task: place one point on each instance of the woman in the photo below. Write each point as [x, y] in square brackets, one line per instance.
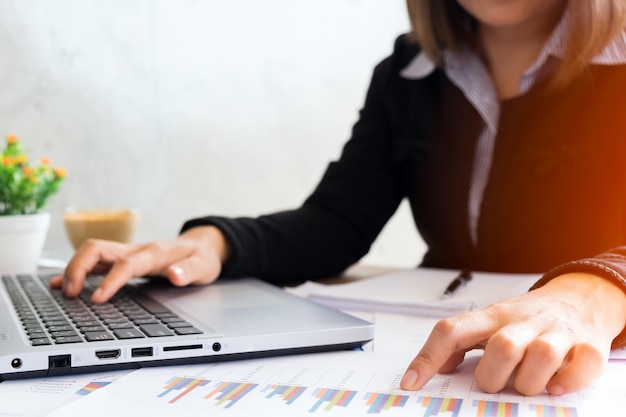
[501, 123]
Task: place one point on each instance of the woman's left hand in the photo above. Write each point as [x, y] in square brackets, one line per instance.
[555, 338]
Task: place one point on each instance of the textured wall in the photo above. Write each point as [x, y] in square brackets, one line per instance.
[185, 107]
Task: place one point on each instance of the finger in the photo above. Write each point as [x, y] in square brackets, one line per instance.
[87, 257]
[138, 263]
[585, 363]
[119, 274]
[544, 356]
[192, 270]
[503, 352]
[100, 268]
[56, 282]
[151, 259]
[453, 361]
[449, 336]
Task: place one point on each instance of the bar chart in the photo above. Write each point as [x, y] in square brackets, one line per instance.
[289, 394]
[378, 401]
[309, 391]
[92, 386]
[435, 406]
[183, 385]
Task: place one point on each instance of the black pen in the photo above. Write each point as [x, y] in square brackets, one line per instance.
[463, 278]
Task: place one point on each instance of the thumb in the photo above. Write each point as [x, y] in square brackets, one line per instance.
[192, 270]
[177, 275]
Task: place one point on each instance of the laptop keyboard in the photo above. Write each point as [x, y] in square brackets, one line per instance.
[49, 318]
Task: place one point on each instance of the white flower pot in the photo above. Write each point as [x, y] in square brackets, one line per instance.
[22, 238]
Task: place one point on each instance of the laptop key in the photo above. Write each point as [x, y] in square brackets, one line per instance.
[124, 325]
[64, 333]
[59, 328]
[165, 315]
[128, 334]
[69, 339]
[56, 323]
[139, 322]
[40, 341]
[178, 324]
[151, 305]
[115, 320]
[155, 330]
[84, 329]
[139, 316]
[111, 316]
[98, 336]
[187, 330]
[87, 323]
[172, 319]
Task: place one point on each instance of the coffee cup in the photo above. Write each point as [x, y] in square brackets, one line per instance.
[109, 224]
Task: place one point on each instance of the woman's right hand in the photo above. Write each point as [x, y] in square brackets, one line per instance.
[194, 257]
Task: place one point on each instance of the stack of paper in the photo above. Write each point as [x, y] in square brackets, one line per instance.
[419, 292]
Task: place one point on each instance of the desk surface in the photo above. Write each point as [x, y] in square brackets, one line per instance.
[342, 383]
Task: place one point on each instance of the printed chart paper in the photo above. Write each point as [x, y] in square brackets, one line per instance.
[334, 384]
[39, 396]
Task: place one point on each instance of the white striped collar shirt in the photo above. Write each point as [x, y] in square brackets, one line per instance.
[467, 71]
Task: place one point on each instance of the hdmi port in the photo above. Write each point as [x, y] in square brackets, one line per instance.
[108, 354]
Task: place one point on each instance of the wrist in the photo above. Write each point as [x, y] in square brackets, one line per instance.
[595, 293]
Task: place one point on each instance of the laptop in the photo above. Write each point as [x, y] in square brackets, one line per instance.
[153, 323]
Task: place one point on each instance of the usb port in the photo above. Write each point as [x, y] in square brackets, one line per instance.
[141, 352]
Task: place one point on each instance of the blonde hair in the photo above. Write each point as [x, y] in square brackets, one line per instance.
[440, 24]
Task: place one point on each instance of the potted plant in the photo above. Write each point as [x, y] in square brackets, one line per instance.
[24, 192]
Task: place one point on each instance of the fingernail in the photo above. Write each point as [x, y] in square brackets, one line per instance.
[180, 272]
[556, 390]
[409, 379]
[67, 287]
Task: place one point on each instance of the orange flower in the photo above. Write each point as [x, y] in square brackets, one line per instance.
[11, 139]
[60, 173]
[45, 161]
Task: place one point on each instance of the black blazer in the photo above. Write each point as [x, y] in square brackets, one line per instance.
[556, 194]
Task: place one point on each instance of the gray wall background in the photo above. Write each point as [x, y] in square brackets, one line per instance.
[181, 108]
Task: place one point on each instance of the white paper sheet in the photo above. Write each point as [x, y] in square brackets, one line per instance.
[39, 396]
[418, 292]
[342, 384]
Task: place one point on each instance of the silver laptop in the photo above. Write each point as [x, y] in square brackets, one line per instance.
[153, 323]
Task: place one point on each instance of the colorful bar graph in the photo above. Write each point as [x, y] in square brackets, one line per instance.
[231, 392]
[91, 387]
[186, 385]
[435, 405]
[495, 409]
[288, 393]
[378, 402]
[552, 411]
[333, 397]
